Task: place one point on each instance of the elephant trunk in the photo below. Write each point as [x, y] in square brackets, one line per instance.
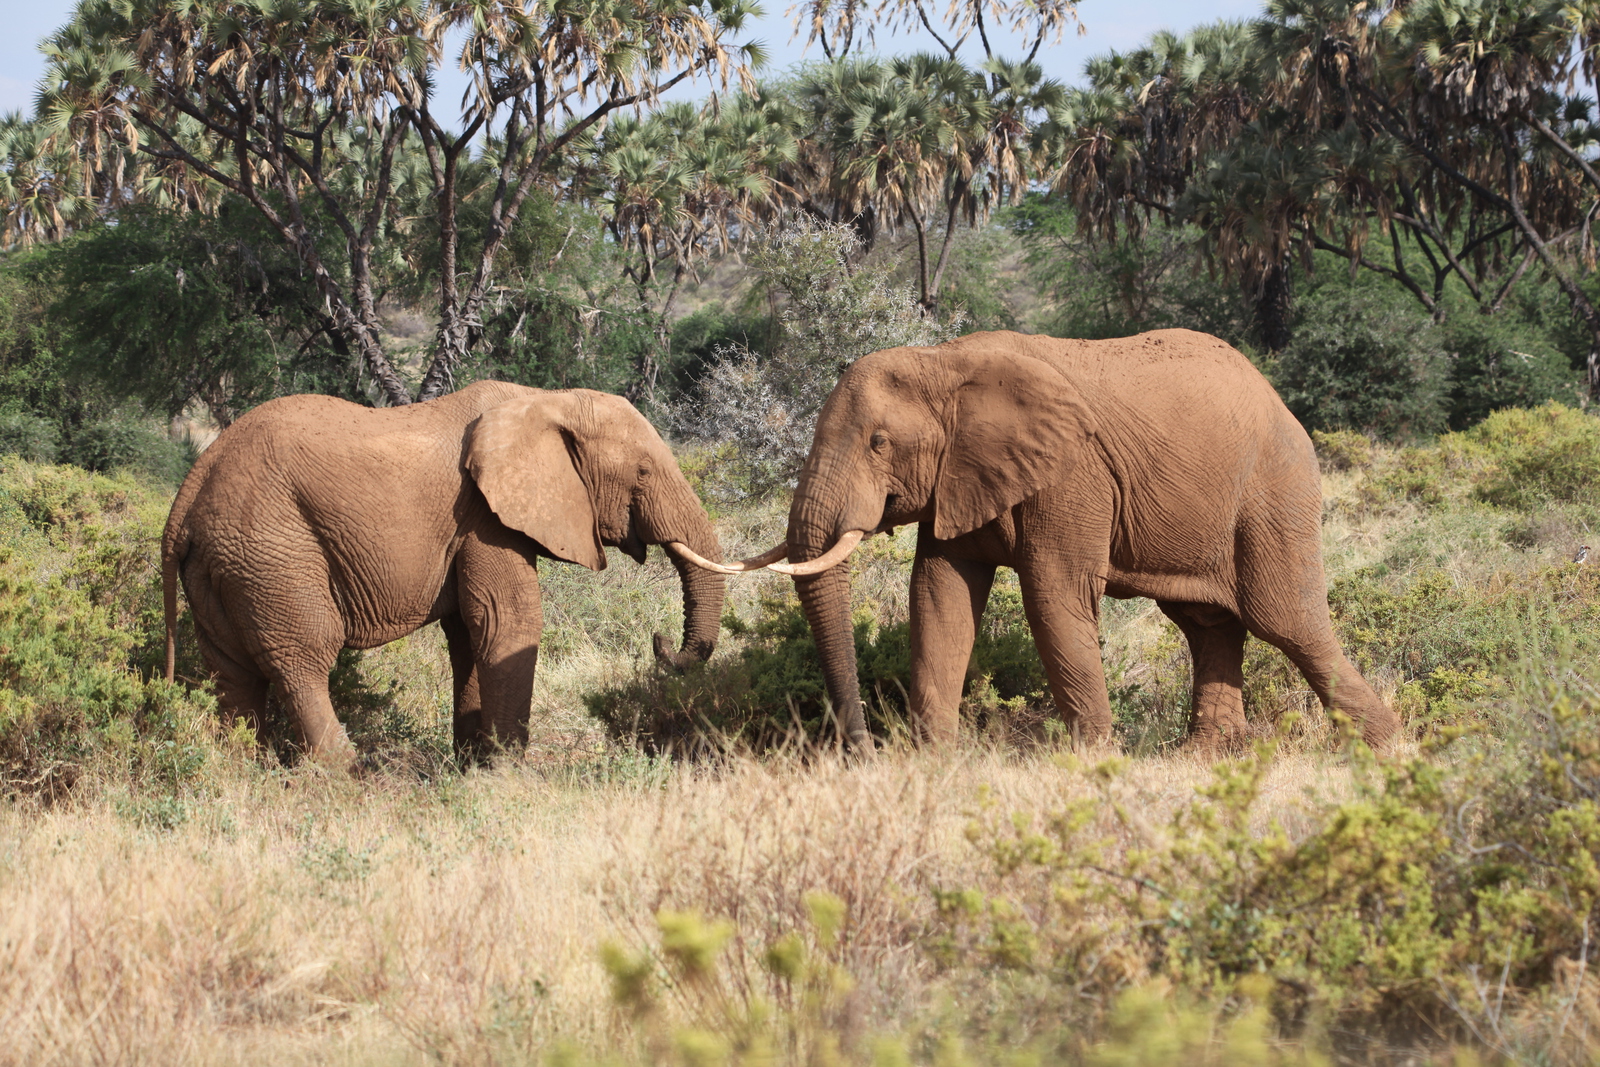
[825, 599]
[703, 596]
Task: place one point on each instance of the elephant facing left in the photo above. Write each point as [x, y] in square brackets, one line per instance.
[313, 524]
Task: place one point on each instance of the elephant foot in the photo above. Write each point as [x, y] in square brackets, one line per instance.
[1379, 728]
[1213, 744]
[1090, 731]
[336, 758]
[1208, 736]
[467, 740]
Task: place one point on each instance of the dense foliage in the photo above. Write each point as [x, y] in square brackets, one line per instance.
[231, 224]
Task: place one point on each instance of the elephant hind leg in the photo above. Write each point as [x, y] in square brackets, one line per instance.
[1216, 644]
[320, 729]
[241, 686]
[297, 651]
[1311, 646]
[241, 689]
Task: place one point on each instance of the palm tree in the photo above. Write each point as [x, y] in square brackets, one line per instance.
[840, 25]
[40, 185]
[678, 186]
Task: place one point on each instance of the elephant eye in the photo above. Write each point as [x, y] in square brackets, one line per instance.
[880, 441]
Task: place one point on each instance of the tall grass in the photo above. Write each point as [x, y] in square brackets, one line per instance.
[169, 892]
[296, 917]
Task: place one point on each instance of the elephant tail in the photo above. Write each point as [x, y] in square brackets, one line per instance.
[169, 607]
[174, 547]
[170, 554]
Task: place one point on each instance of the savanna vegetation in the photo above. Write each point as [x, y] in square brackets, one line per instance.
[1389, 208]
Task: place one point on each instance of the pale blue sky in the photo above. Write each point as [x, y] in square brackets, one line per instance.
[1119, 24]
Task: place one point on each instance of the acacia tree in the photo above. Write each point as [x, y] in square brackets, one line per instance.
[302, 108]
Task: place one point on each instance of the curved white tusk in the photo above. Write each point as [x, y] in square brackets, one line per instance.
[834, 556]
[754, 563]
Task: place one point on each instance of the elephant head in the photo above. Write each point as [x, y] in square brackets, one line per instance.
[951, 436]
[578, 470]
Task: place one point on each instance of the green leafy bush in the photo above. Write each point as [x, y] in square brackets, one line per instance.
[128, 440]
[1453, 645]
[1524, 459]
[1149, 279]
[1342, 450]
[1501, 361]
[1382, 921]
[1363, 359]
[1546, 455]
[169, 308]
[80, 635]
[29, 437]
[772, 691]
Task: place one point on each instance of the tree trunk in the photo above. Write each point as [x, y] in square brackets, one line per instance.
[1272, 308]
[944, 248]
[922, 263]
[452, 344]
[365, 336]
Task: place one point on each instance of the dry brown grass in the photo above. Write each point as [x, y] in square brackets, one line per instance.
[298, 918]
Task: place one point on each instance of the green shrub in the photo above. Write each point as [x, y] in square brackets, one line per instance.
[130, 441]
[1363, 359]
[773, 691]
[1454, 645]
[1499, 362]
[1546, 455]
[1526, 459]
[29, 436]
[798, 1009]
[1342, 450]
[1379, 921]
[80, 634]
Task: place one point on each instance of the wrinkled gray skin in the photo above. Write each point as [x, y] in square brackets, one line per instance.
[313, 525]
[1161, 466]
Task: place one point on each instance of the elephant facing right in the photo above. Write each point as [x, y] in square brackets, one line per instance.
[1162, 466]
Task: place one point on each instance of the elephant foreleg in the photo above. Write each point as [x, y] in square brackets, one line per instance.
[467, 724]
[1063, 609]
[947, 601]
[1216, 644]
[501, 612]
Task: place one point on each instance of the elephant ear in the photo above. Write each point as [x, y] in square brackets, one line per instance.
[1016, 426]
[522, 457]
